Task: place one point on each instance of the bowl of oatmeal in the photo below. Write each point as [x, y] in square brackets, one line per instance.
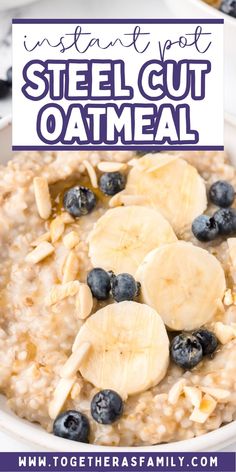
[118, 300]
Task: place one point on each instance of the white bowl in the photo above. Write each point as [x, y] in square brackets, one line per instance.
[38, 439]
[200, 9]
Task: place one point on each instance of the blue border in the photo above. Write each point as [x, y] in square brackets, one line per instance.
[116, 21]
[125, 21]
[145, 461]
[119, 148]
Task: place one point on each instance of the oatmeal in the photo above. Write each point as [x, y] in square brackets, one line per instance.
[118, 295]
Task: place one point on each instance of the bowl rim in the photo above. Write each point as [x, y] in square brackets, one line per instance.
[33, 434]
[29, 433]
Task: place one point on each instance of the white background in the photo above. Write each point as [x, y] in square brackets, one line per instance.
[202, 112]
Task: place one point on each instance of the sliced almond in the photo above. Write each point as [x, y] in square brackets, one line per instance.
[76, 343]
[71, 240]
[57, 228]
[40, 239]
[66, 218]
[92, 174]
[43, 250]
[74, 362]
[60, 395]
[194, 395]
[176, 391]
[84, 302]
[106, 166]
[71, 267]
[59, 292]
[220, 394]
[75, 391]
[223, 332]
[228, 298]
[133, 162]
[42, 197]
[115, 200]
[206, 408]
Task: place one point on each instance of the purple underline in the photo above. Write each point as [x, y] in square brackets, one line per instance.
[112, 20]
[119, 148]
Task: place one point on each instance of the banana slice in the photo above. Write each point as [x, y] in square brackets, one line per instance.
[184, 283]
[124, 235]
[129, 350]
[170, 185]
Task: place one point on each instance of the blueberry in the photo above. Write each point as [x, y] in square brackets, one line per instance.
[186, 350]
[79, 201]
[106, 407]
[111, 183]
[124, 287]
[222, 194]
[226, 220]
[99, 282]
[205, 228]
[9, 76]
[72, 425]
[228, 7]
[4, 89]
[207, 339]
